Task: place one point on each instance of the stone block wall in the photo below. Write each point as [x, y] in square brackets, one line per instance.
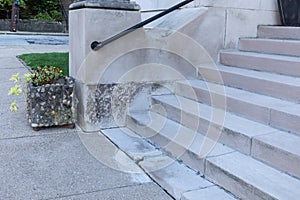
[224, 22]
[34, 26]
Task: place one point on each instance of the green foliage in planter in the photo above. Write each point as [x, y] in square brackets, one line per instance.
[46, 75]
[41, 75]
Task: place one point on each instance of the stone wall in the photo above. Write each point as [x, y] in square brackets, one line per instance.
[34, 26]
[225, 21]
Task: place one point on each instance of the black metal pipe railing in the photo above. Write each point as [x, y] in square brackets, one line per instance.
[97, 45]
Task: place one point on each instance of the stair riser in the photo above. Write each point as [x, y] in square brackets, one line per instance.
[285, 121]
[276, 157]
[233, 184]
[229, 137]
[291, 48]
[252, 84]
[176, 150]
[290, 68]
[279, 32]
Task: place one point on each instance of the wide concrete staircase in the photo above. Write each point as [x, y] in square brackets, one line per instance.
[256, 144]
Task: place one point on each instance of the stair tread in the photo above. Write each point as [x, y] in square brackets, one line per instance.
[278, 40]
[285, 141]
[174, 177]
[278, 32]
[274, 27]
[249, 170]
[263, 55]
[270, 45]
[172, 130]
[280, 64]
[251, 97]
[283, 79]
[259, 175]
[231, 121]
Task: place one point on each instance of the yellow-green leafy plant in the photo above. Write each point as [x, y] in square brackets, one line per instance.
[41, 76]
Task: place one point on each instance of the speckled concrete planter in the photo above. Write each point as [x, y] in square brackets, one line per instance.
[51, 104]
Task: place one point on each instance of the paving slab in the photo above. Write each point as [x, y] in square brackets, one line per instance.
[13, 51]
[176, 178]
[8, 71]
[214, 193]
[15, 124]
[147, 191]
[135, 146]
[50, 166]
[10, 63]
[33, 40]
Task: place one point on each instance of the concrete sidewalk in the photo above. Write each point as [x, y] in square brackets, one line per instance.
[55, 163]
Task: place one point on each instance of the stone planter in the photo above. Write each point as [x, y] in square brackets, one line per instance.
[289, 11]
[51, 104]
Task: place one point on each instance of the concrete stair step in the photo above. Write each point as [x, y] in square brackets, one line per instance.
[246, 136]
[287, 65]
[280, 86]
[179, 180]
[181, 142]
[274, 46]
[248, 178]
[209, 193]
[242, 175]
[279, 149]
[176, 178]
[271, 111]
[279, 32]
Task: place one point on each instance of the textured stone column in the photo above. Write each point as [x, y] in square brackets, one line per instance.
[96, 20]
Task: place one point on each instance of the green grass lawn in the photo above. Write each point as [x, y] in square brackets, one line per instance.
[60, 60]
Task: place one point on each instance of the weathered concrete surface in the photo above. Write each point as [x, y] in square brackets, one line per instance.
[149, 192]
[132, 60]
[174, 177]
[180, 142]
[278, 150]
[214, 192]
[24, 39]
[250, 179]
[224, 22]
[88, 25]
[135, 146]
[55, 163]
